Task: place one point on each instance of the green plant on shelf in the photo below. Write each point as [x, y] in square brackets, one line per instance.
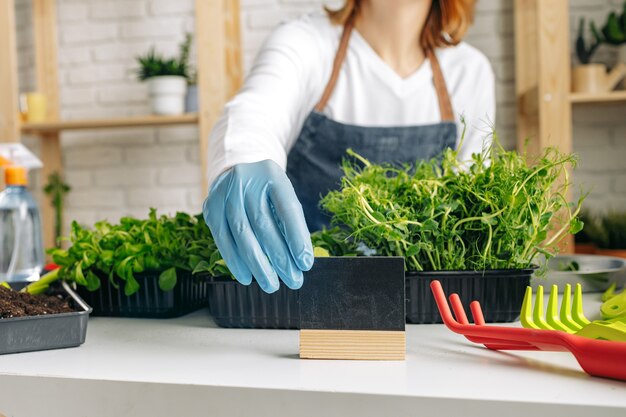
[153, 64]
[585, 50]
[614, 30]
[56, 189]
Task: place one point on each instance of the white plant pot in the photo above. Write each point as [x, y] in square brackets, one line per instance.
[167, 94]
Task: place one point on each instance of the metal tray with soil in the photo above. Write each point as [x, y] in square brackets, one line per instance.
[52, 321]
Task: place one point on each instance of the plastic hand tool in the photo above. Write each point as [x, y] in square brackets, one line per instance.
[601, 358]
[615, 307]
[571, 318]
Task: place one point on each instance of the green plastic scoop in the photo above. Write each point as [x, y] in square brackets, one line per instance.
[614, 306]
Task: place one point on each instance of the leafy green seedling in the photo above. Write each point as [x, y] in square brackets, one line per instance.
[499, 213]
[159, 244]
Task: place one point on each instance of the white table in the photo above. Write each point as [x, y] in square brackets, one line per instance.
[189, 367]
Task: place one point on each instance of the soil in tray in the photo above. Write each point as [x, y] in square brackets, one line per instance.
[18, 304]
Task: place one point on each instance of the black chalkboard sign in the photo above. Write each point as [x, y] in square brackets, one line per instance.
[354, 293]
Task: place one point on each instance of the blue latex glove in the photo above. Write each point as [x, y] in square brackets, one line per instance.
[258, 225]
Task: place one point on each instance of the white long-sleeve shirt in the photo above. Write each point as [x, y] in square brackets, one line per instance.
[264, 119]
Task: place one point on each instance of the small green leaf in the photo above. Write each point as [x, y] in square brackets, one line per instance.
[93, 282]
[430, 224]
[131, 286]
[576, 225]
[107, 257]
[412, 251]
[151, 262]
[320, 252]
[202, 266]
[78, 274]
[113, 281]
[167, 279]
[194, 260]
[89, 258]
[379, 216]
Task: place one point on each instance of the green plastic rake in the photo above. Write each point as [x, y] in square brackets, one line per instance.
[570, 317]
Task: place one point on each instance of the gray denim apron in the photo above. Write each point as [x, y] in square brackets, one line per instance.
[313, 164]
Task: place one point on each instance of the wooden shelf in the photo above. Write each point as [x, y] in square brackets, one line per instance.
[598, 98]
[135, 121]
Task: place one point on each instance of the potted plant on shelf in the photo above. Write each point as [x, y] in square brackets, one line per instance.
[479, 228]
[57, 189]
[612, 239]
[167, 79]
[614, 33]
[593, 77]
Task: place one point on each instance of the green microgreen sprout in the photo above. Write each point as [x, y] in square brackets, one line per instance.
[500, 212]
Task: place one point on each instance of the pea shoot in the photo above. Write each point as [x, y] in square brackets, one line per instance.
[501, 212]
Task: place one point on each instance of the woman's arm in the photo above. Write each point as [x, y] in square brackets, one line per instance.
[262, 121]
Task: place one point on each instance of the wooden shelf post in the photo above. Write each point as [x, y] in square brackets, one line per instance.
[218, 66]
[45, 38]
[542, 78]
[9, 111]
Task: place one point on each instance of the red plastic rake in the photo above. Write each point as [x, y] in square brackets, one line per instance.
[597, 357]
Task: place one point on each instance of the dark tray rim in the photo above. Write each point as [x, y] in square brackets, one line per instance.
[414, 274]
[68, 289]
[485, 272]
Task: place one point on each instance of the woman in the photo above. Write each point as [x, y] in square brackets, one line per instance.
[385, 78]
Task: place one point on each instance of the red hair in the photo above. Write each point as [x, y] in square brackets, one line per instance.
[446, 24]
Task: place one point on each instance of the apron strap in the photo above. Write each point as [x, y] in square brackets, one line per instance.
[445, 106]
[339, 58]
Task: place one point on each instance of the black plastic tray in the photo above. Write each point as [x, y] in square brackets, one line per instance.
[235, 305]
[247, 306]
[499, 291]
[189, 294]
[54, 331]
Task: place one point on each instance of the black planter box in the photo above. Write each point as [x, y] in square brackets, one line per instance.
[248, 306]
[189, 294]
[499, 291]
[235, 305]
[51, 331]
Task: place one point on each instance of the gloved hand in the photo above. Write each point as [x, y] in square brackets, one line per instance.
[258, 225]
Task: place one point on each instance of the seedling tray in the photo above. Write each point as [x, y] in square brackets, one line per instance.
[247, 306]
[235, 305]
[54, 331]
[189, 294]
[499, 291]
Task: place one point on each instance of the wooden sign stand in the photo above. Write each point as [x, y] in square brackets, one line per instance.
[353, 308]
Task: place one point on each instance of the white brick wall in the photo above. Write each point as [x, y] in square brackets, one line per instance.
[121, 172]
